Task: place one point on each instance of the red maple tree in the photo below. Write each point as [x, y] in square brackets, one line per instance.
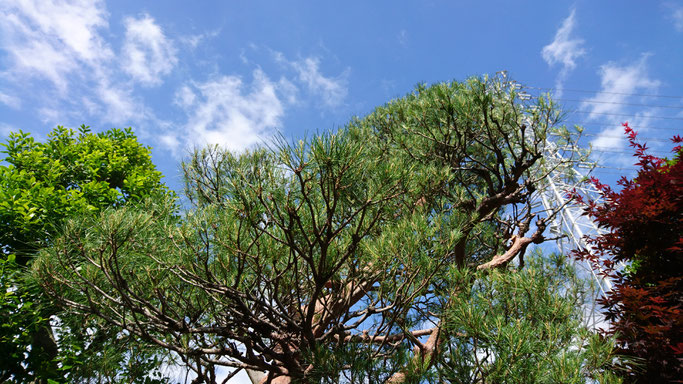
[642, 253]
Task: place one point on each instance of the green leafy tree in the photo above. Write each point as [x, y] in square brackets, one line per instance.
[41, 184]
[379, 253]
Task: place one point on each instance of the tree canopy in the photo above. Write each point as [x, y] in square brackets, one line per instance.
[41, 184]
[371, 252]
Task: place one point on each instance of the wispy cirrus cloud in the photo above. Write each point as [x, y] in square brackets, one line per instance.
[148, 54]
[10, 100]
[237, 114]
[403, 37]
[119, 103]
[6, 129]
[613, 137]
[53, 40]
[194, 40]
[225, 111]
[619, 85]
[677, 17]
[62, 43]
[617, 82]
[65, 49]
[564, 50]
[331, 90]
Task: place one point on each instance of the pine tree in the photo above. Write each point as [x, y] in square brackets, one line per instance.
[378, 253]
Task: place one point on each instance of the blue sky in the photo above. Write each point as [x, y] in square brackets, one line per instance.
[185, 74]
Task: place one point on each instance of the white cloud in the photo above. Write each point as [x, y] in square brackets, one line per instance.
[331, 90]
[50, 116]
[614, 137]
[74, 23]
[288, 90]
[6, 129]
[227, 111]
[93, 108]
[120, 106]
[170, 141]
[618, 85]
[403, 37]
[184, 97]
[62, 42]
[677, 16]
[41, 59]
[617, 82]
[52, 39]
[148, 54]
[224, 112]
[564, 50]
[193, 40]
[10, 101]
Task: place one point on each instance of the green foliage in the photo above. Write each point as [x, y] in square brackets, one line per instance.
[42, 184]
[523, 326]
[20, 319]
[70, 173]
[510, 326]
[367, 253]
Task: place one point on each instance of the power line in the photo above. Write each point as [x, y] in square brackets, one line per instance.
[610, 149]
[614, 172]
[615, 169]
[617, 103]
[619, 126]
[621, 114]
[602, 147]
[643, 138]
[627, 115]
[624, 137]
[590, 101]
[605, 92]
[598, 167]
[606, 168]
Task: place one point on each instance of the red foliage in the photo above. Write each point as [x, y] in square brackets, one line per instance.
[645, 231]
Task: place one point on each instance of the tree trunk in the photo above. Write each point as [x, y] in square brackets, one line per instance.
[44, 349]
[256, 377]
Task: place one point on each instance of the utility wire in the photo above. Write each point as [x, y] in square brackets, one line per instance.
[604, 92]
[624, 137]
[590, 101]
[600, 151]
[610, 149]
[643, 138]
[603, 147]
[616, 168]
[620, 114]
[627, 115]
[619, 126]
[617, 103]
[620, 173]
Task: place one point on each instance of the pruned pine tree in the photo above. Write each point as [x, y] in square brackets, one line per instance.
[365, 255]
